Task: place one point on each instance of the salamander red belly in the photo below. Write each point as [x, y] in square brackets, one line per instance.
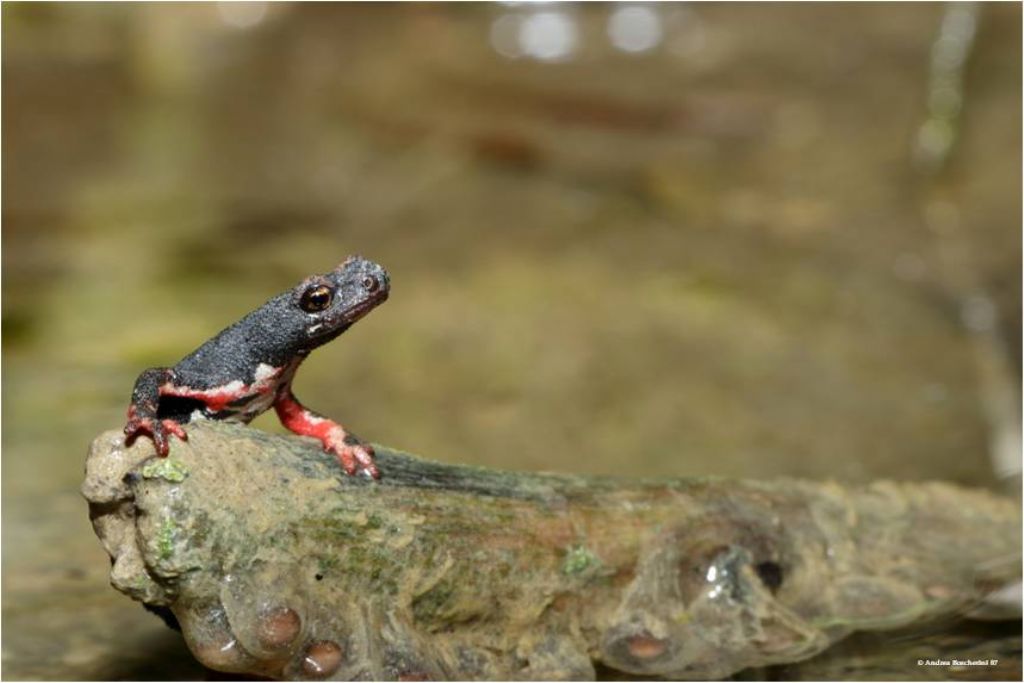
[237, 400]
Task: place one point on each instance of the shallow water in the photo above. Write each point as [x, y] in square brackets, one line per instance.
[744, 251]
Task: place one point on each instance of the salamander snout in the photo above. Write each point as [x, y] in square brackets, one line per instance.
[376, 282]
[373, 279]
[362, 283]
[371, 284]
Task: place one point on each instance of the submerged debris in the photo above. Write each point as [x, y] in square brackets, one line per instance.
[277, 564]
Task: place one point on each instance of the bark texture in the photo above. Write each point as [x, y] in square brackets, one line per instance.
[276, 563]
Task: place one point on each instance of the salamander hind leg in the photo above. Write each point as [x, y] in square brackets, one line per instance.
[142, 412]
[354, 455]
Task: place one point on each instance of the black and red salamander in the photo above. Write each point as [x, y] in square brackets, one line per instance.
[248, 367]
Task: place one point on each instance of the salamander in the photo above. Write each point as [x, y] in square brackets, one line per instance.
[248, 367]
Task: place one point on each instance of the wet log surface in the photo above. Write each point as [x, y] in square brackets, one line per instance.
[277, 564]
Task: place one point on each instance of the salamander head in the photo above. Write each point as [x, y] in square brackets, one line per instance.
[331, 302]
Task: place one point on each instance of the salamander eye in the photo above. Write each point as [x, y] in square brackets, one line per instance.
[371, 284]
[316, 298]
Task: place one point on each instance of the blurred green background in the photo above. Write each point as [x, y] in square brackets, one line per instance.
[743, 240]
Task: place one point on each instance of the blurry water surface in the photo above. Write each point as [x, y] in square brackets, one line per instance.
[751, 241]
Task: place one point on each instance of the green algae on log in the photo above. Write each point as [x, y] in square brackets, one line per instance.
[275, 563]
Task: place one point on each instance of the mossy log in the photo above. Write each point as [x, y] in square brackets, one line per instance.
[275, 563]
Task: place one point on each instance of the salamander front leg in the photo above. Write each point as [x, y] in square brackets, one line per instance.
[353, 454]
